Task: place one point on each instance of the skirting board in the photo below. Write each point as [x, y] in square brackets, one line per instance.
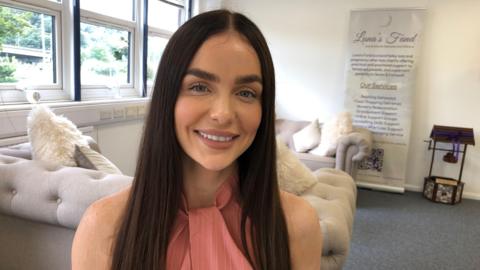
[381, 187]
[466, 195]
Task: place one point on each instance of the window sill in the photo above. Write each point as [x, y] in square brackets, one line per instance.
[13, 118]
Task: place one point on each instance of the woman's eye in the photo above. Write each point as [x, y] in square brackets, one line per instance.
[247, 94]
[198, 88]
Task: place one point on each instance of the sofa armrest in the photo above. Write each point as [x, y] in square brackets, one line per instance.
[362, 138]
[353, 148]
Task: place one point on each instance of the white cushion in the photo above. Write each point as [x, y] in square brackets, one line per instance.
[53, 138]
[91, 159]
[307, 138]
[293, 175]
[332, 130]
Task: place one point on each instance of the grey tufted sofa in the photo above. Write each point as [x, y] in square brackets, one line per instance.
[41, 205]
[352, 148]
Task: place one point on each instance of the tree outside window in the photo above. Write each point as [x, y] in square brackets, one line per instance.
[26, 39]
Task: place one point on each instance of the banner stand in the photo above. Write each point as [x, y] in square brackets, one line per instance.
[384, 45]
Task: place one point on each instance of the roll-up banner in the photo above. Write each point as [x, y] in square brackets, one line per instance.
[380, 80]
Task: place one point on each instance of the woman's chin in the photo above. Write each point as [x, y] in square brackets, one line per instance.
[216, 167]
[211, 163]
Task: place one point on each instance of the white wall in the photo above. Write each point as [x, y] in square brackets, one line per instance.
[308, 40]
[119, 142]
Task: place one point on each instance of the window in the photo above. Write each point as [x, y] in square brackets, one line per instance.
[167, 15]
[36, 41]
[122, 9]
[106, 44]
[156, 45]
[164, 18]
[105, 54]
[29, 49]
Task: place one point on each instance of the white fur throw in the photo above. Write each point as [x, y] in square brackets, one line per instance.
[53, 138]
[307, 138]
[332, 130]
[293, 175]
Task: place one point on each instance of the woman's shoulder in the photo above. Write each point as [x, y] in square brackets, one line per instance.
[104, 214]
[93, 239]
[108, 208]
[304, 232]
[301, 216]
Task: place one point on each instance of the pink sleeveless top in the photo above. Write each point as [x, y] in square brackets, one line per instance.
[209, 238]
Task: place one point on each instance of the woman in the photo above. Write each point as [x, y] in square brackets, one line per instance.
[205, 194]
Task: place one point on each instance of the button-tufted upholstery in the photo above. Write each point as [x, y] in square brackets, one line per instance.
[334, 198]
[41, 204]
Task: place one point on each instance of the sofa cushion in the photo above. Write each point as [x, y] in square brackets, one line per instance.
[332, 130]
[314, 162]
[307, 138]
[90, 159]
[53, 138]
[284, 129]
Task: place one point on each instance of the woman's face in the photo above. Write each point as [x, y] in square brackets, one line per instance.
[218, 109]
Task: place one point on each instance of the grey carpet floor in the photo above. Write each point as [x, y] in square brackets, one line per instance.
[407, 231]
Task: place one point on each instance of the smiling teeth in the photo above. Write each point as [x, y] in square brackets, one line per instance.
[215, 138]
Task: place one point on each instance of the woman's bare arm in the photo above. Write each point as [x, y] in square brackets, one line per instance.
[93, 241]
[304, 233]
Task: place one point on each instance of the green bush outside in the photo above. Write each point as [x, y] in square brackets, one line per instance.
[7, 70]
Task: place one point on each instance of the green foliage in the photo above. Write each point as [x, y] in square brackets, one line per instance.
[12, 23]
[99, 54]
[83, 43]
[7, 70]
[103, 70]
[31, 35]
[121, 50]
[104, 52]
[31, 38]
[150, 73]
[83, 57]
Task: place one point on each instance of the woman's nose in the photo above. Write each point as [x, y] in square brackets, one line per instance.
[222, 110]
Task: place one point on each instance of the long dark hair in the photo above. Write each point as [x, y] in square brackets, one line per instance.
[143, 235]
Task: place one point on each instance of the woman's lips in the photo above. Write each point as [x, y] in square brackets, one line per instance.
[217, 139]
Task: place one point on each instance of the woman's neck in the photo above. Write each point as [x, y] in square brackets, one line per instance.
[200, 185]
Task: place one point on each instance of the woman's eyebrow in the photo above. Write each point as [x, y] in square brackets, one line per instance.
[212, 77]
[248, 79]
[203, 74]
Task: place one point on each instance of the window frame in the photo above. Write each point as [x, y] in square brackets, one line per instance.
[65, 87]
[10, 92]
[99, 91]
[154, 31]
[131, 56]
